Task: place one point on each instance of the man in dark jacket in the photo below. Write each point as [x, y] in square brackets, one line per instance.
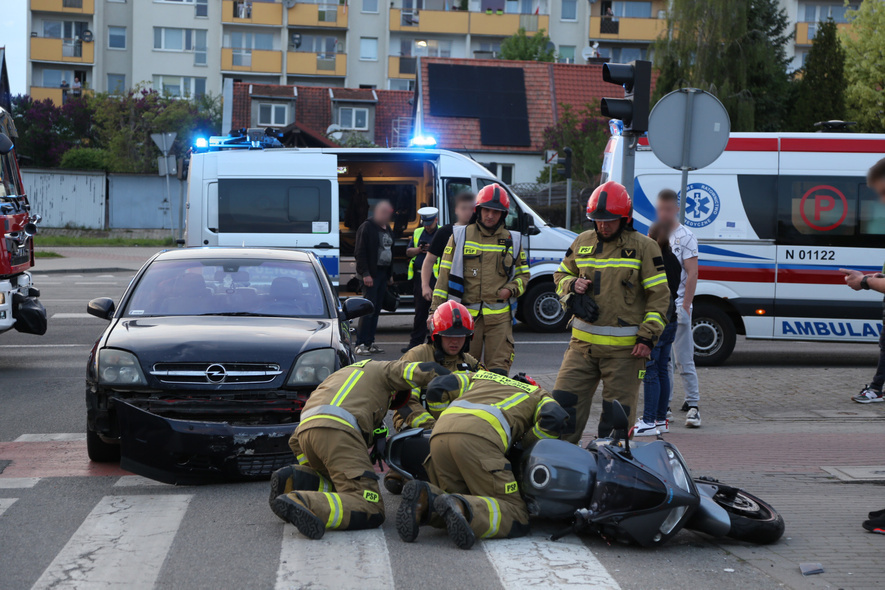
[374, 256]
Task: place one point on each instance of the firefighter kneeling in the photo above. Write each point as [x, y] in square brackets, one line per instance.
[473, 491]
[334, 486]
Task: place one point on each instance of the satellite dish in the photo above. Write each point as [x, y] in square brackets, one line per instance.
[588, 53]
[550, 46]
[334, 131]
[87, 36]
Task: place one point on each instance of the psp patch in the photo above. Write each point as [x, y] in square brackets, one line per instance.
[642, 374]
[511, 488]
[585, 250]
[371, 496]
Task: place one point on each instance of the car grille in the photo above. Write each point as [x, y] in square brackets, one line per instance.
[216, 373]
[262, 465]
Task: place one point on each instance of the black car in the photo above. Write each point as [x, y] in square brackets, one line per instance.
[206, 364]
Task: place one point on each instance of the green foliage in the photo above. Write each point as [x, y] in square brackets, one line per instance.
[820, 85]
[46, 131]
[735, 49]
[69, 241]
[586, 133]
[356, 140]
[527, 48]
[83, 158]
[864, 46]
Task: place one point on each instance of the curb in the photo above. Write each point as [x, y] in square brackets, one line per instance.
[37, 271]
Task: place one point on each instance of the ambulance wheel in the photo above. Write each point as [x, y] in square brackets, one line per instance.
[100, 451]
[714, 335]
[541, 309]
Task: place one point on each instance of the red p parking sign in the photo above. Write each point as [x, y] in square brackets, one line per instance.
[823, 208]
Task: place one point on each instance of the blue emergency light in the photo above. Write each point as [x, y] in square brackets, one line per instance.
[248, 139]
[424, 141]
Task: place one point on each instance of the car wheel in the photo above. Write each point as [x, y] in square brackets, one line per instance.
[714, 335]
[100, 451]
[541, 309]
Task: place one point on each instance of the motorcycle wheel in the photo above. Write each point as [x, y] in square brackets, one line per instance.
[752, 520]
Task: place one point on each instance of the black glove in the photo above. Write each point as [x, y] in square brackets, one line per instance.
[584, 306]
[440, 385]
[647, 341]
[379, 445]
[553, 418]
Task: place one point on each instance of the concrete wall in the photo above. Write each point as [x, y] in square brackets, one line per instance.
[138, 201]
[67, 197]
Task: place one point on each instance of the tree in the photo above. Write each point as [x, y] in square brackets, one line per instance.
[46, 131]
[523, 47]
[735, 49]
[586, 132]
[820, 85]
[864, 49]
[83, 158]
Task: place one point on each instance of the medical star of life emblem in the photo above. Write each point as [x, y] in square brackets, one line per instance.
[701, 206]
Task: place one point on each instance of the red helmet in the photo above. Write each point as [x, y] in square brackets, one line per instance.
[494, 197]
[609, 202]
[452, 319]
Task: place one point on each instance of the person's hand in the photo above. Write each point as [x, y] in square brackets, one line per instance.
[581, 285]
[427, 292]
[368, 281]
[504, 294]
[430, 323]
[641, 350]
[686, 307]
[852, 278]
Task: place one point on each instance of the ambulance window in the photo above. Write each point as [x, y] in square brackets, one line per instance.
[271, 205]
[759, 197]
[512, 221]
[454, 187]
[872, 213]
[818, 210]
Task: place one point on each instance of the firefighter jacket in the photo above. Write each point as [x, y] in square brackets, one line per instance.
[494, 407]
[357, 397]
[413, 414]
[476, 264]
[628, 283]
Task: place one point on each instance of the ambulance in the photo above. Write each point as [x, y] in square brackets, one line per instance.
[776, 217]
[249, 191]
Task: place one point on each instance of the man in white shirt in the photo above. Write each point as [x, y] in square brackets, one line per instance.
[685, 246]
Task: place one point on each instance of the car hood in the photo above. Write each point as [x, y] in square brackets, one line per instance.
[220, 339]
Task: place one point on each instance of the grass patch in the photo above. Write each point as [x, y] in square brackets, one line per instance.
[61, 241]
[47, 254]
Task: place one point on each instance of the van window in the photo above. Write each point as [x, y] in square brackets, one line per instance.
[818, 210]
[274, 205]
[512, 221]
[454, 187]
[356, 200]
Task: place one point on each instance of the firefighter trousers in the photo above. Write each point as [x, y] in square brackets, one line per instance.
[345, 493]
[474, 469]
[492, 344]
[578, 379]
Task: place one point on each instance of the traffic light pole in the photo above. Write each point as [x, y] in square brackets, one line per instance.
[628, 159]
[568, 203]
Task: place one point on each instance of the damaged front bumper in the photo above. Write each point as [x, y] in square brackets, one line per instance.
[183, 452]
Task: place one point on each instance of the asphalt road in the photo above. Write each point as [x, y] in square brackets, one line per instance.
[65, 529]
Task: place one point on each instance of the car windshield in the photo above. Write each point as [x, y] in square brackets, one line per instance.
[213, 286]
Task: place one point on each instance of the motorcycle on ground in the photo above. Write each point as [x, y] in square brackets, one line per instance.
[626, 491]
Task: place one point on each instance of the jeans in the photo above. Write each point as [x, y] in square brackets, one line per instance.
[658, 382]
[422, 309]
[683, 353]
[879, 379]
[369, 324]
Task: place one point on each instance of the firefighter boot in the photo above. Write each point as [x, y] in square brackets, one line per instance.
[290, 507]
[296, 477]
[394, 482]
[415, 509]
[455, 512]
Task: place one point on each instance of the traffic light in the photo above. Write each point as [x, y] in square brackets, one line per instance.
[633, 109]
[565, 163]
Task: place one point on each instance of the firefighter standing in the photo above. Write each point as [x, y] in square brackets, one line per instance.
[473, 491]
[334, 485]
[484, 267]
[612, 279]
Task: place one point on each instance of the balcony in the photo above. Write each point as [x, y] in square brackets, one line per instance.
[66, 6]
[627, 29]
[254, 60]
[505, 25]
[305, 63]
[805, 32]
[324, 16]
[430, 21]
[246, 12]
[55, 94]
[62, 50]
[402, 67]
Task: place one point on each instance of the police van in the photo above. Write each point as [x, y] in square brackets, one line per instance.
[242, 193]
[776, 216]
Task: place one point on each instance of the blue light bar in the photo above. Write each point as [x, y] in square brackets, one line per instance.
[425, 141]
[201, 143]
[616, 127]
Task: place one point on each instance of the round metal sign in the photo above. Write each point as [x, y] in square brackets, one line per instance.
[693, 115]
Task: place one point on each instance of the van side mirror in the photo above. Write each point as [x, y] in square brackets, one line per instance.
[528, 225]
[102, 308]
[357, 307]
[6, 144]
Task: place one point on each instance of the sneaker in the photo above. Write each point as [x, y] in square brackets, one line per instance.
[669, 414]
[294, 512]
[875, 525]
[455, 516]
[684, 407]
[374, 349]
[868, 395]
[663, 426]
[693, 418]
[644, 428]
[876, 514]
[362, 350]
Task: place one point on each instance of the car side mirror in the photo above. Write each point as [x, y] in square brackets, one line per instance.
[357, 307]
[102, 308]
[6, 144]
[528, 225]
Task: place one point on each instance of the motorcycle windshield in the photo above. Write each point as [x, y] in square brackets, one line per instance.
[623, 487]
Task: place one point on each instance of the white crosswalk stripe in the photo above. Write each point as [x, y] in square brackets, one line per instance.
[5, 503]
[131, 481]
[121, 544]
[17, 483]
[51, 437]
[69, 316]
[322, 564]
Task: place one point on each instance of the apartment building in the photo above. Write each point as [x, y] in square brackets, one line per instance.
[190, 47]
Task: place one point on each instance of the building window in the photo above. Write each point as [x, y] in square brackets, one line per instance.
[53, 78]
[566, 54]
[116, 84]
[351, 118]
[201, 9]
[116, 37]
[169, 39]
[320, 44]
[815, 13]
[632, 9]
[400, 84]
[72, 4]
[52, 29]
[505, 173]
[425, 48]
[569, 10]
[272, 115]
[369, 48]
[370, 5]
[244, 43]
[180, 86]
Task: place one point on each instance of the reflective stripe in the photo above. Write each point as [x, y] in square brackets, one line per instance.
[437, 406]
[336, 514]
[604, 330]
[654, 316]
[655, 280]
[421, 419]
[488, 309]
[345, 389]
[332, 413]
[608, 263]
[544, 401]
[485, 247]
[413, 243]
[445, 264]
[325, 484]
[603, 340]
[513, 400]
[409, 373]
[464, 380]
[541, 433]
[440, 293]
[490, 414]
[302, 460]
[565, 269]
[494, 517]
[416, 393]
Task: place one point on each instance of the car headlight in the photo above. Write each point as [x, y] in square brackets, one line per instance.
[312, 368]
[118, 367]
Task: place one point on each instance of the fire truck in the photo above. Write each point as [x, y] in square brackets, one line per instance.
[20, 307]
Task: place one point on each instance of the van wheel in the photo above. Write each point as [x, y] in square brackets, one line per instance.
[100, 451]
[714, 335]
[541, 309]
